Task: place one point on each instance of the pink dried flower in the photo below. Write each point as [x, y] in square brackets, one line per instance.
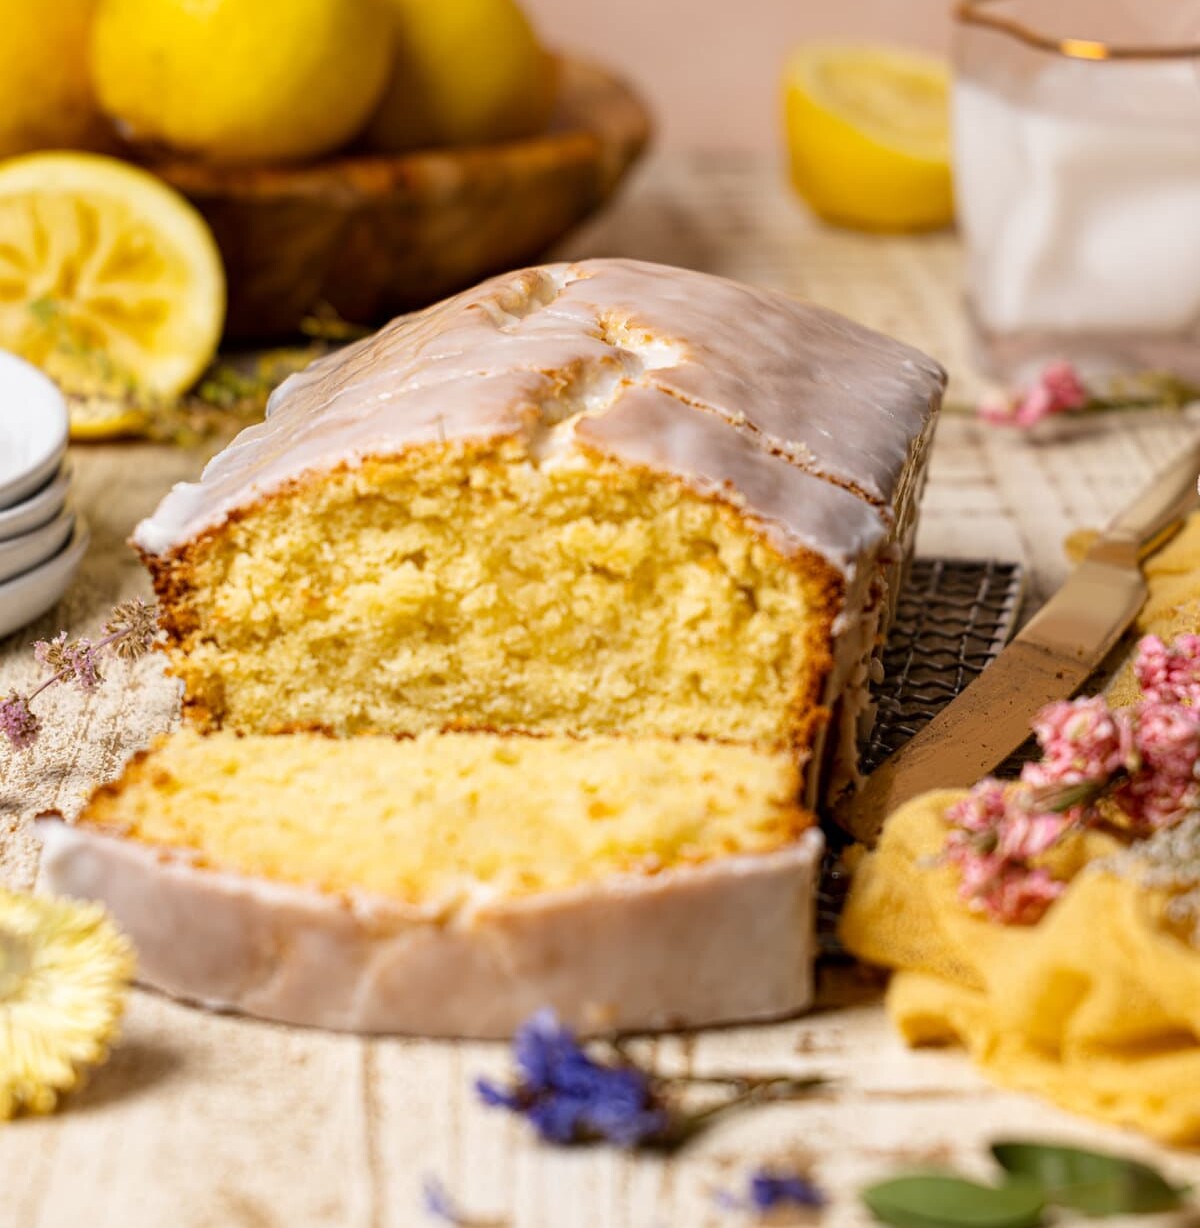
[997, 408]
[84, 665]
[997, 835]
[1027, 834]
[1169, 674]
[1009, 892]
[1164, 788]
[1059, 389]
[71, 660]
[983, 810]
[52, 653]
[1021, 896]
[17, 722]
[1064, 385]
[1082, 741]
[1146, 760]
[1168, 739]
[131, 629]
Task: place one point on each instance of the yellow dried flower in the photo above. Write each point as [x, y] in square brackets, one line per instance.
[64, 973]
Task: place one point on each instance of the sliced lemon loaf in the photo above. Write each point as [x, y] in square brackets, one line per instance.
[604, 497]
[452, 884]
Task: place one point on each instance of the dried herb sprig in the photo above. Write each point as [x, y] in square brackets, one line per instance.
[571, 1095]
[1061, 389]
[106, 398]
[130, 630]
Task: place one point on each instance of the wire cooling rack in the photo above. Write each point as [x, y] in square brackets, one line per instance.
[953, 618]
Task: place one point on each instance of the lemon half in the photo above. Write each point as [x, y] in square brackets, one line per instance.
[869, 135]
[109, 280]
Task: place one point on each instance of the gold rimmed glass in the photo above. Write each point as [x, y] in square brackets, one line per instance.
[1077, 179]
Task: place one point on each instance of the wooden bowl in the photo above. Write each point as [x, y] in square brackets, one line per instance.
[375, 235]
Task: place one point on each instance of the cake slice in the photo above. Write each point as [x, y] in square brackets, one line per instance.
[452, 884]
[605, 497]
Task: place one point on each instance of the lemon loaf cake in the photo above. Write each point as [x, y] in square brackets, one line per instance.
[604, 497]
[452, 884]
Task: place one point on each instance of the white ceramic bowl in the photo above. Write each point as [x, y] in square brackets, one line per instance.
[40, 508]
[32, 593]
[22, 553]
[33, 429]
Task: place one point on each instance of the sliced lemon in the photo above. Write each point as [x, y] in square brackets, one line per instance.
[106, 418]
[109, 280]
[869, 135]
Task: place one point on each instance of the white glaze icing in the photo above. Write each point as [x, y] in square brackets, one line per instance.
[604, 339]
[724, 941]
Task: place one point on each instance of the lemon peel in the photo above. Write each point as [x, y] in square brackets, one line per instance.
[466, 72]
[242, 81]
[869, 135]
[46, 97]
[110, 280]
[64, 974]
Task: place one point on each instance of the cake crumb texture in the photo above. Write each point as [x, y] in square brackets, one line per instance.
[471, 586]
[437, 818]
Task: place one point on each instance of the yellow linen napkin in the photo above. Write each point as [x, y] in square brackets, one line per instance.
[1096, 1007]
[1173, 606]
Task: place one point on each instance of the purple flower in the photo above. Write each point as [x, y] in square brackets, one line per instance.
[75, 661]
[85, 667]
[437, 1201]
[439, 1205]
[569, 1097]
[770, 1189]
[17, 723]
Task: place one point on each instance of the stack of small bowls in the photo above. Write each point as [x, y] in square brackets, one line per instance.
[42, 538]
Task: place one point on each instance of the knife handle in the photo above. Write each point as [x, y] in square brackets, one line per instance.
[1154, 517]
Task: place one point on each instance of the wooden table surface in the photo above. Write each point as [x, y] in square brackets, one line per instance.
[203, 1121]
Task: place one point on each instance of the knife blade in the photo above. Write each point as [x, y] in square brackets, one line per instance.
[1052, 657]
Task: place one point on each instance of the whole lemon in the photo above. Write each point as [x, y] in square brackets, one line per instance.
[465, 72]
[46, 97]
[242, 80]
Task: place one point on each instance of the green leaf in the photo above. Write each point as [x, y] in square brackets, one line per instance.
[934, 1201]
[1094, 1182]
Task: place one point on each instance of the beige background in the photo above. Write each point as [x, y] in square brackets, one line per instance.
[710, 68]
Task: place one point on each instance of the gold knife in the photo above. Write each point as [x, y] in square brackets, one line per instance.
[1052, 657]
